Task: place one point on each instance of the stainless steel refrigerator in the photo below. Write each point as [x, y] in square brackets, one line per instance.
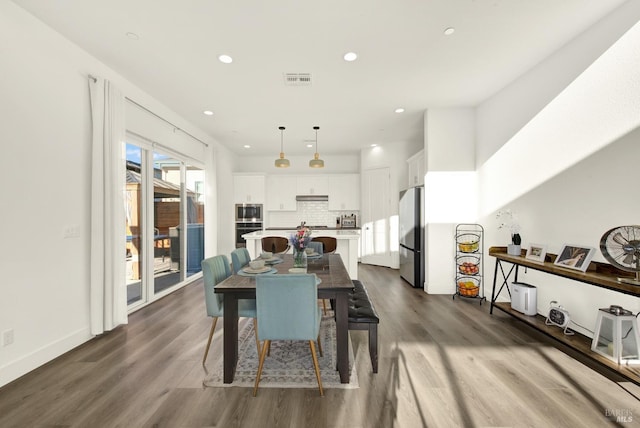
[411, 233]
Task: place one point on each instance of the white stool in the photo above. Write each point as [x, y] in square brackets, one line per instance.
[616, 336]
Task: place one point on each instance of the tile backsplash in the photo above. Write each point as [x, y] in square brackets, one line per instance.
[314, 213]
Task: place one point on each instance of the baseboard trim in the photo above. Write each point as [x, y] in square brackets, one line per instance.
[27, 363]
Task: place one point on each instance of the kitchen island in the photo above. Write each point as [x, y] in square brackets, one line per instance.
[348, 241]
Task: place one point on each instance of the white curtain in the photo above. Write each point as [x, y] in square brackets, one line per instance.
[108, 289]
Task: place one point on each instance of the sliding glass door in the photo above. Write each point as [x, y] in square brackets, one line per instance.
[135, 261]
[165, 222]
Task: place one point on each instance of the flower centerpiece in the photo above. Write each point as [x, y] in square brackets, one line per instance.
[509, 220]
[299, 241]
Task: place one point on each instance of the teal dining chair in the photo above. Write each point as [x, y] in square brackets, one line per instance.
[214, 270]
[287, 307]
[239, 258]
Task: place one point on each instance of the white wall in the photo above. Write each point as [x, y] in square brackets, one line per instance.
[504, 114]
[576, 207]
[393, 156]
[597, 108]
[44, 105]
[559, 126]
[220, 237]
[300, 164]
[450, 139]
[564, 168]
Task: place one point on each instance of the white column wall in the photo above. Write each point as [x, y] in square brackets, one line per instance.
[450, 190]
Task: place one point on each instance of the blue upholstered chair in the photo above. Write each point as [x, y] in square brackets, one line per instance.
[240, 258]
[288, 310]
[317, 246]
[214, 270]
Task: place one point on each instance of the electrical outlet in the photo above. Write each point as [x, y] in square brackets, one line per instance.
[71, 231]
[7, 337]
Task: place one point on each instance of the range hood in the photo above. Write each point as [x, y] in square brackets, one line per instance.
[311, 198]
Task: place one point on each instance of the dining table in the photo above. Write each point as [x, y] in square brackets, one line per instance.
[334, 284]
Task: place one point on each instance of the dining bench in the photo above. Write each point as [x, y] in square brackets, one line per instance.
[363, 316]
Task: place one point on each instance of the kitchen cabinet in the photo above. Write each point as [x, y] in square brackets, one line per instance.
[248, 188]
[416, 169]
[344, 192]
[312, 185]
[281, 193]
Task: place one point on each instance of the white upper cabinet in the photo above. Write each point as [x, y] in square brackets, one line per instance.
[416, 169]
[344, 192]
[248, 188]
[312, 185]
[281, 193]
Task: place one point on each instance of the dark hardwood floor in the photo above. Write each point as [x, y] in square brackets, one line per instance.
[443, 363]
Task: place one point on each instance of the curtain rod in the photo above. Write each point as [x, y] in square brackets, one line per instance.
[169, 150]
[158, 116]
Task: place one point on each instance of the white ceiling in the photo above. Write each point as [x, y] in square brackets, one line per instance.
[404, 60]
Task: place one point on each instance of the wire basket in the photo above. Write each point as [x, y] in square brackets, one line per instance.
[468, 286]
[468, 242]
[468, 265]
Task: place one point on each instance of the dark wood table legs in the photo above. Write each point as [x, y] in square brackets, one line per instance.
[342, 335]
[230, 337]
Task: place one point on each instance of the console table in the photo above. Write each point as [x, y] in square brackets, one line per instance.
[598, 274]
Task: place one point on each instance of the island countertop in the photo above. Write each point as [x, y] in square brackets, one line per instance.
[337, 233]
[348, 243]
[314, 230]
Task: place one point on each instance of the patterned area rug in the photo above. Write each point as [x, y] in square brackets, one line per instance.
[289, 365]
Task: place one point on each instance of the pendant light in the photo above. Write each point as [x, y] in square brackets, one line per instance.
[316, 162]
[282, 162]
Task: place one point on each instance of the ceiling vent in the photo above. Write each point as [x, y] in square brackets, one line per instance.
[297, 79]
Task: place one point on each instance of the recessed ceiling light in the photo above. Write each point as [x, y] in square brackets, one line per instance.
[208, 112]
[246, 146]
[399, 110]
[374, 145]
[132, 36]
[309, 145]
[449, 31]
[225, 59]
[350, 56]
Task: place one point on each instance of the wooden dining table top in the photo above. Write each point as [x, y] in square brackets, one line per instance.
[329, 268]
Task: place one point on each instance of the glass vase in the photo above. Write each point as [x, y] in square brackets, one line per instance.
[299, 259]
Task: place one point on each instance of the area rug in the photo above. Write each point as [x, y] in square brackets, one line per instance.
[289, 364]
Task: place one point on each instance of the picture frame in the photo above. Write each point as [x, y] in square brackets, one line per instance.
[536, 253]
[575, 257]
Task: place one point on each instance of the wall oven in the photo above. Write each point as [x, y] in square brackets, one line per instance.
[245, 227]
[249, 213]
